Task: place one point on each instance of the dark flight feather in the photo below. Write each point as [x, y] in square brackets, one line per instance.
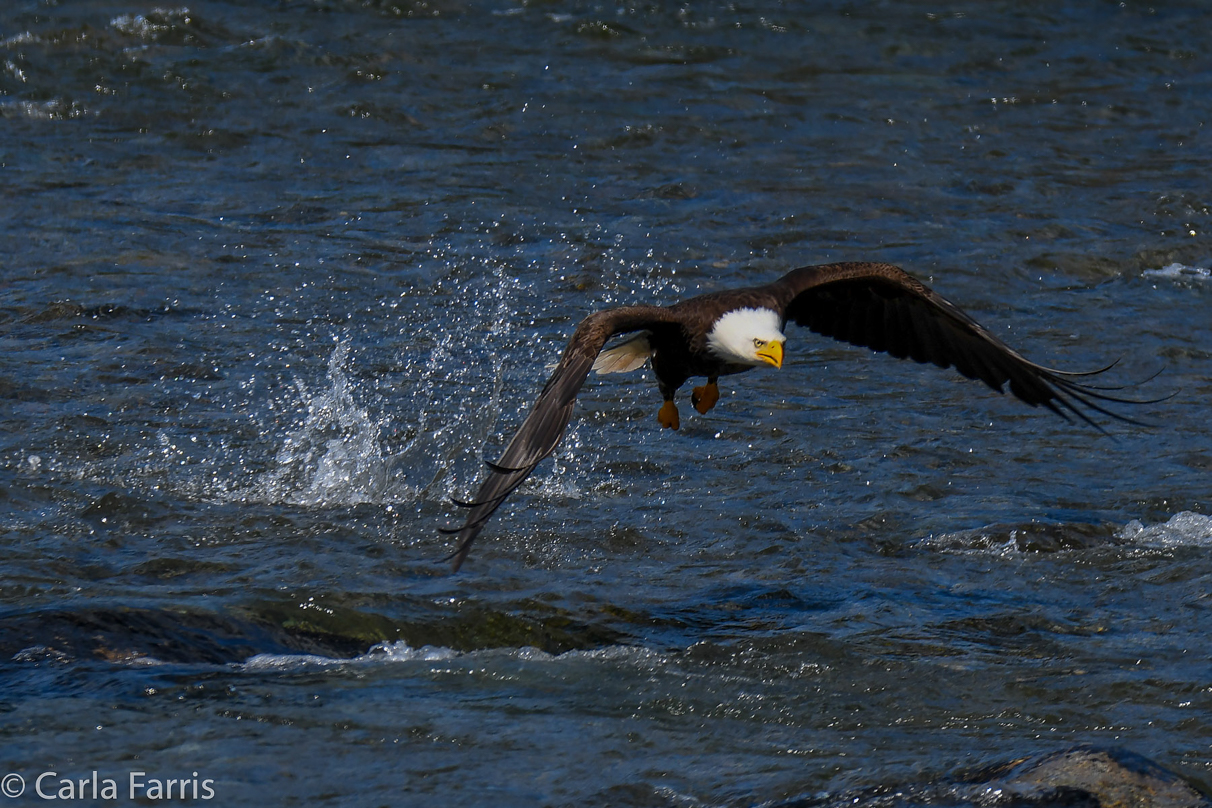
[543, 428]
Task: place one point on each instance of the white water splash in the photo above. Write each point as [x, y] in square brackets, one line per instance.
[441, 413]
[401, 651]
[381, 653]
[993, 540]
[334, 457]
[461, 387]
[1178, 271]
[1184, 529]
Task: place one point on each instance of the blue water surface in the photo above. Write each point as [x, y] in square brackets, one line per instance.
[277, 276]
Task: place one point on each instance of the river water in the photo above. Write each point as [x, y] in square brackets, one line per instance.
[276, 276]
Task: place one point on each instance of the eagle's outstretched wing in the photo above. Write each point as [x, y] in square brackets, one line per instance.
[542, 430]
[882, 307]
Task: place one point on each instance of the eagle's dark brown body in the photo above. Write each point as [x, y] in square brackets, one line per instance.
[878, 306]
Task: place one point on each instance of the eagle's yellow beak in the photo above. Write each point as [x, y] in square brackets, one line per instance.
[772, 352]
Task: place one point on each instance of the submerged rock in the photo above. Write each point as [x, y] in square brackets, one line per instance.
[1081, 777]
[1111, 778]
[327, 628]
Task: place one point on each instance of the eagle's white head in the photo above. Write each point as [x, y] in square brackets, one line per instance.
[748, 337]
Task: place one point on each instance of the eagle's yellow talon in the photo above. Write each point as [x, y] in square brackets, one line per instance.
[704, 398]
[668, 416]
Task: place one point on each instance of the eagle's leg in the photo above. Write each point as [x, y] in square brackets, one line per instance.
[668, 415]
[668, 385]
[704, 398]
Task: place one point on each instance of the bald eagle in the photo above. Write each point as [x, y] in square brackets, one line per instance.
[878, 306]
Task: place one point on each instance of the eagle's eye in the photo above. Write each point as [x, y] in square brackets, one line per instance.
[759, 343]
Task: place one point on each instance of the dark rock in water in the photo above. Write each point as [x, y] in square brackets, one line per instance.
[1113, 778]
[128, 634]
[1082, 777]
[123, 635]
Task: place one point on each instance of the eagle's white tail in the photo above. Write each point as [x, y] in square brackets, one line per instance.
[628, 356]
